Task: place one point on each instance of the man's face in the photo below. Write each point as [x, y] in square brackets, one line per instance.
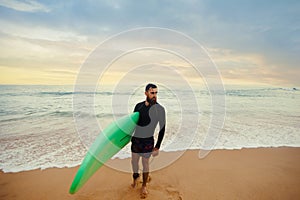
[151, 95]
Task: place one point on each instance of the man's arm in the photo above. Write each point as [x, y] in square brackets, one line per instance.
[160, 137]
[162, 126]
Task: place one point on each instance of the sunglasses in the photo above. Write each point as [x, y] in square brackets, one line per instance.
[153, 92]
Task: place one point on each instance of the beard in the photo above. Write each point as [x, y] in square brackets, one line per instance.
[151, 101]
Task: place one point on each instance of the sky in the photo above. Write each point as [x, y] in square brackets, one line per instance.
[251, 42]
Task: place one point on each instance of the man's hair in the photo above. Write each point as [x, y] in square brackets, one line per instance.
[150, 85]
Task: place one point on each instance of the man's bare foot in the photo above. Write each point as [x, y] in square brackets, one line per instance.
[144, 192]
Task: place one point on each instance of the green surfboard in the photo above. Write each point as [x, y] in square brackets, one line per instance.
[109, 142]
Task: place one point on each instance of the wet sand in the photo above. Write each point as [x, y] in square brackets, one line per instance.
[262, 173]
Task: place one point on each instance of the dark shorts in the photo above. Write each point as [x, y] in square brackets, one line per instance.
[142, 146]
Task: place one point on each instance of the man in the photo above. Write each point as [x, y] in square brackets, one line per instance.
[151, 113]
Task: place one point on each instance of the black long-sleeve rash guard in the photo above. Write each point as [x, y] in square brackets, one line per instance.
[150, 116]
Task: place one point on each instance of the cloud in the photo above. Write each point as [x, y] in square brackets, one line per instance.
[238, 67]
[252, 41]
[39, 61]
[25, 6]
[40, 32]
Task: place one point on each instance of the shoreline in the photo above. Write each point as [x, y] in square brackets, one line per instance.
[248, 173]
[119, 159]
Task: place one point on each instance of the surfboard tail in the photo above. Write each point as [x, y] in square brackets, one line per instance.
[88, 167]
[107, 144]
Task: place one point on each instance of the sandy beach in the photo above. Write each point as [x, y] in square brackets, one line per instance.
[262, 173]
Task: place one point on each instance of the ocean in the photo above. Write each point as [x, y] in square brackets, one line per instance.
[38, 129]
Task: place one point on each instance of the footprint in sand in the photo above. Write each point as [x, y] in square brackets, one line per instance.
[164, 193]
[161, 192]
[155, 191]
[174, 193]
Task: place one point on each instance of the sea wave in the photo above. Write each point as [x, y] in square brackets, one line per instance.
[37, 128]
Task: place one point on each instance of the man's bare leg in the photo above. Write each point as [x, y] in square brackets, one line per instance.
[135, 157]
[145, 162]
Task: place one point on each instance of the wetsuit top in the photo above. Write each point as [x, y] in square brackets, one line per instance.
[150, 116]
